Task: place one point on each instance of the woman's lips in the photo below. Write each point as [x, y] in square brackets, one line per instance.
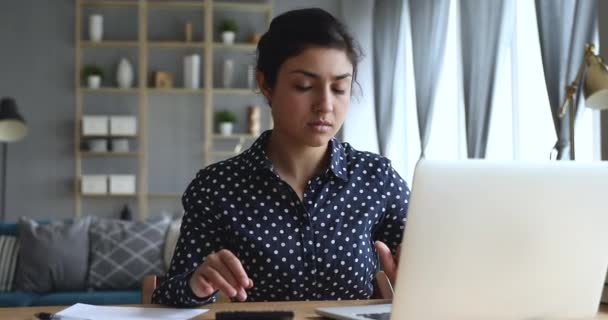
[320, 126]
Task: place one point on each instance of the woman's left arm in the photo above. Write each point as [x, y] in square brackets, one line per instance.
[389, 232]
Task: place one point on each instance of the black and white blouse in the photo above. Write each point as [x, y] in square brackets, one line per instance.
[320, 248]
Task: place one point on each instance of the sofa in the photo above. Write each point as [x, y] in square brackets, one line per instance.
[89, 260]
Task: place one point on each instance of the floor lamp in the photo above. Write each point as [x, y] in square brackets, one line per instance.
[12, 128]
[595, 89]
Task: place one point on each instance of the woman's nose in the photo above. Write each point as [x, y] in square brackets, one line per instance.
[324, 101]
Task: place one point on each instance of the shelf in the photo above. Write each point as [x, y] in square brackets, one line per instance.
[237, 46]
[242, 91]
[108, 154]
[107, 195]
[263, 7]
[109, 137]
[176, 4]
[164, 195]
[109, 44]
[176, 91]
[176, 44]
[234, 136]
[110, 90]
[109, 3]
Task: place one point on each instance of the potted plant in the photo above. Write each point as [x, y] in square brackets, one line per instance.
[92, 75]
[225, 120]
[228, 29]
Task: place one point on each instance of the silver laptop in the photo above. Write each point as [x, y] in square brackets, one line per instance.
[510, 240]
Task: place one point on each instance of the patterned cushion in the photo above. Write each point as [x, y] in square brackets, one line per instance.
[122, 252]
[9, 248]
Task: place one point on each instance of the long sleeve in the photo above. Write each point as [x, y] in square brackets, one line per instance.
[396, 193]
[200, 235]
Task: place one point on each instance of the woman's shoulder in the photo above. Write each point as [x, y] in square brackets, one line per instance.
[223, 169]
[364, 159]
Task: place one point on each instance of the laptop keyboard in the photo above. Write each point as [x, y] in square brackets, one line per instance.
[376, 316]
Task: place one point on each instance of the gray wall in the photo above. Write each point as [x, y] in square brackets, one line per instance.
[36, 68]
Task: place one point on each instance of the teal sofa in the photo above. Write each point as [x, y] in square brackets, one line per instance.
[18, 299]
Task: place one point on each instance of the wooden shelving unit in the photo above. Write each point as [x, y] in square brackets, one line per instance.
[208, 93]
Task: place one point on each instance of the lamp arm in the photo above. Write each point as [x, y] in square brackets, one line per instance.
[571, 89]
[569, 98]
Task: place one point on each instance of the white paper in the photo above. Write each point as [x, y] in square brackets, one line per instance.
[91, 312]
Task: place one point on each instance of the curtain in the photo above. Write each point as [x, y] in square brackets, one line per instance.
[485, 26]
[388, 19]
[429, 21]
[358, 16]
[564, 27]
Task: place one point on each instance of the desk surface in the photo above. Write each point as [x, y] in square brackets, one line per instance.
[304, 310]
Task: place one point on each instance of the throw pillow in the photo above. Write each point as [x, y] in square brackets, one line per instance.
[171, 242]
[53, 256]
[9, 248]
[123, 252]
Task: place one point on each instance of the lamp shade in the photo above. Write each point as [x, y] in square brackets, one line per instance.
[12, 124]
[596, 84]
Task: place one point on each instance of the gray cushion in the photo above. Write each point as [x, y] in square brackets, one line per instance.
[9, 248]
[122, 252]
[52, 257]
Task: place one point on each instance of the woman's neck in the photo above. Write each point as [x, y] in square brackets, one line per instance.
[296, 163]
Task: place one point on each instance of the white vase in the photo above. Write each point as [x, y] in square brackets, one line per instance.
[192, 65]
[251, 76]
[124, 74]
[94, 82]
[226, 128]
[227, 73]
[95, 27]
[228, 37]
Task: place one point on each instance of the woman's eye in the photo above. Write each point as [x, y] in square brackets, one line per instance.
[338, 91]
[303, 88]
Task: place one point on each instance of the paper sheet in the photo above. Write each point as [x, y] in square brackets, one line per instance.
[91, 312]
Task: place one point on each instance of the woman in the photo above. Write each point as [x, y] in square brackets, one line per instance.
[298, 216]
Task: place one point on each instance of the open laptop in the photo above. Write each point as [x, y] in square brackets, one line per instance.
[510, 240]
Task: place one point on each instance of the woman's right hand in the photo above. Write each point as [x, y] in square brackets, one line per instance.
[222, 271]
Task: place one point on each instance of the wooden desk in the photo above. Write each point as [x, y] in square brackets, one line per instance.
[304, 310]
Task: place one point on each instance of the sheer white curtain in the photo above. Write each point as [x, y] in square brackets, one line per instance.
[360, 125]
[402, 144]
[521, 127]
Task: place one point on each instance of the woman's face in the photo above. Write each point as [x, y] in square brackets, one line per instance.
[311, 96]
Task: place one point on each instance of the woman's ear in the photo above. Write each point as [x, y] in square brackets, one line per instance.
[264, 88]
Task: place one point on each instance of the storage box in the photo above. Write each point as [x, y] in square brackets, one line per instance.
[123, 126]
[94, 184]
[122, 184]
[94, 125]
[120, 145]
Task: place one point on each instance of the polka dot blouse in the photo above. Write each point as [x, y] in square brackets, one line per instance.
[318, 248]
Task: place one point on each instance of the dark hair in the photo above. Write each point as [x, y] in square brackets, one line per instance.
[295, 31]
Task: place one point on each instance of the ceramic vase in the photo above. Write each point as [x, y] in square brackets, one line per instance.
[94, 82]
[226, 128]
[227, 73]
[96, 27]
[228, 37]
[124, 74]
